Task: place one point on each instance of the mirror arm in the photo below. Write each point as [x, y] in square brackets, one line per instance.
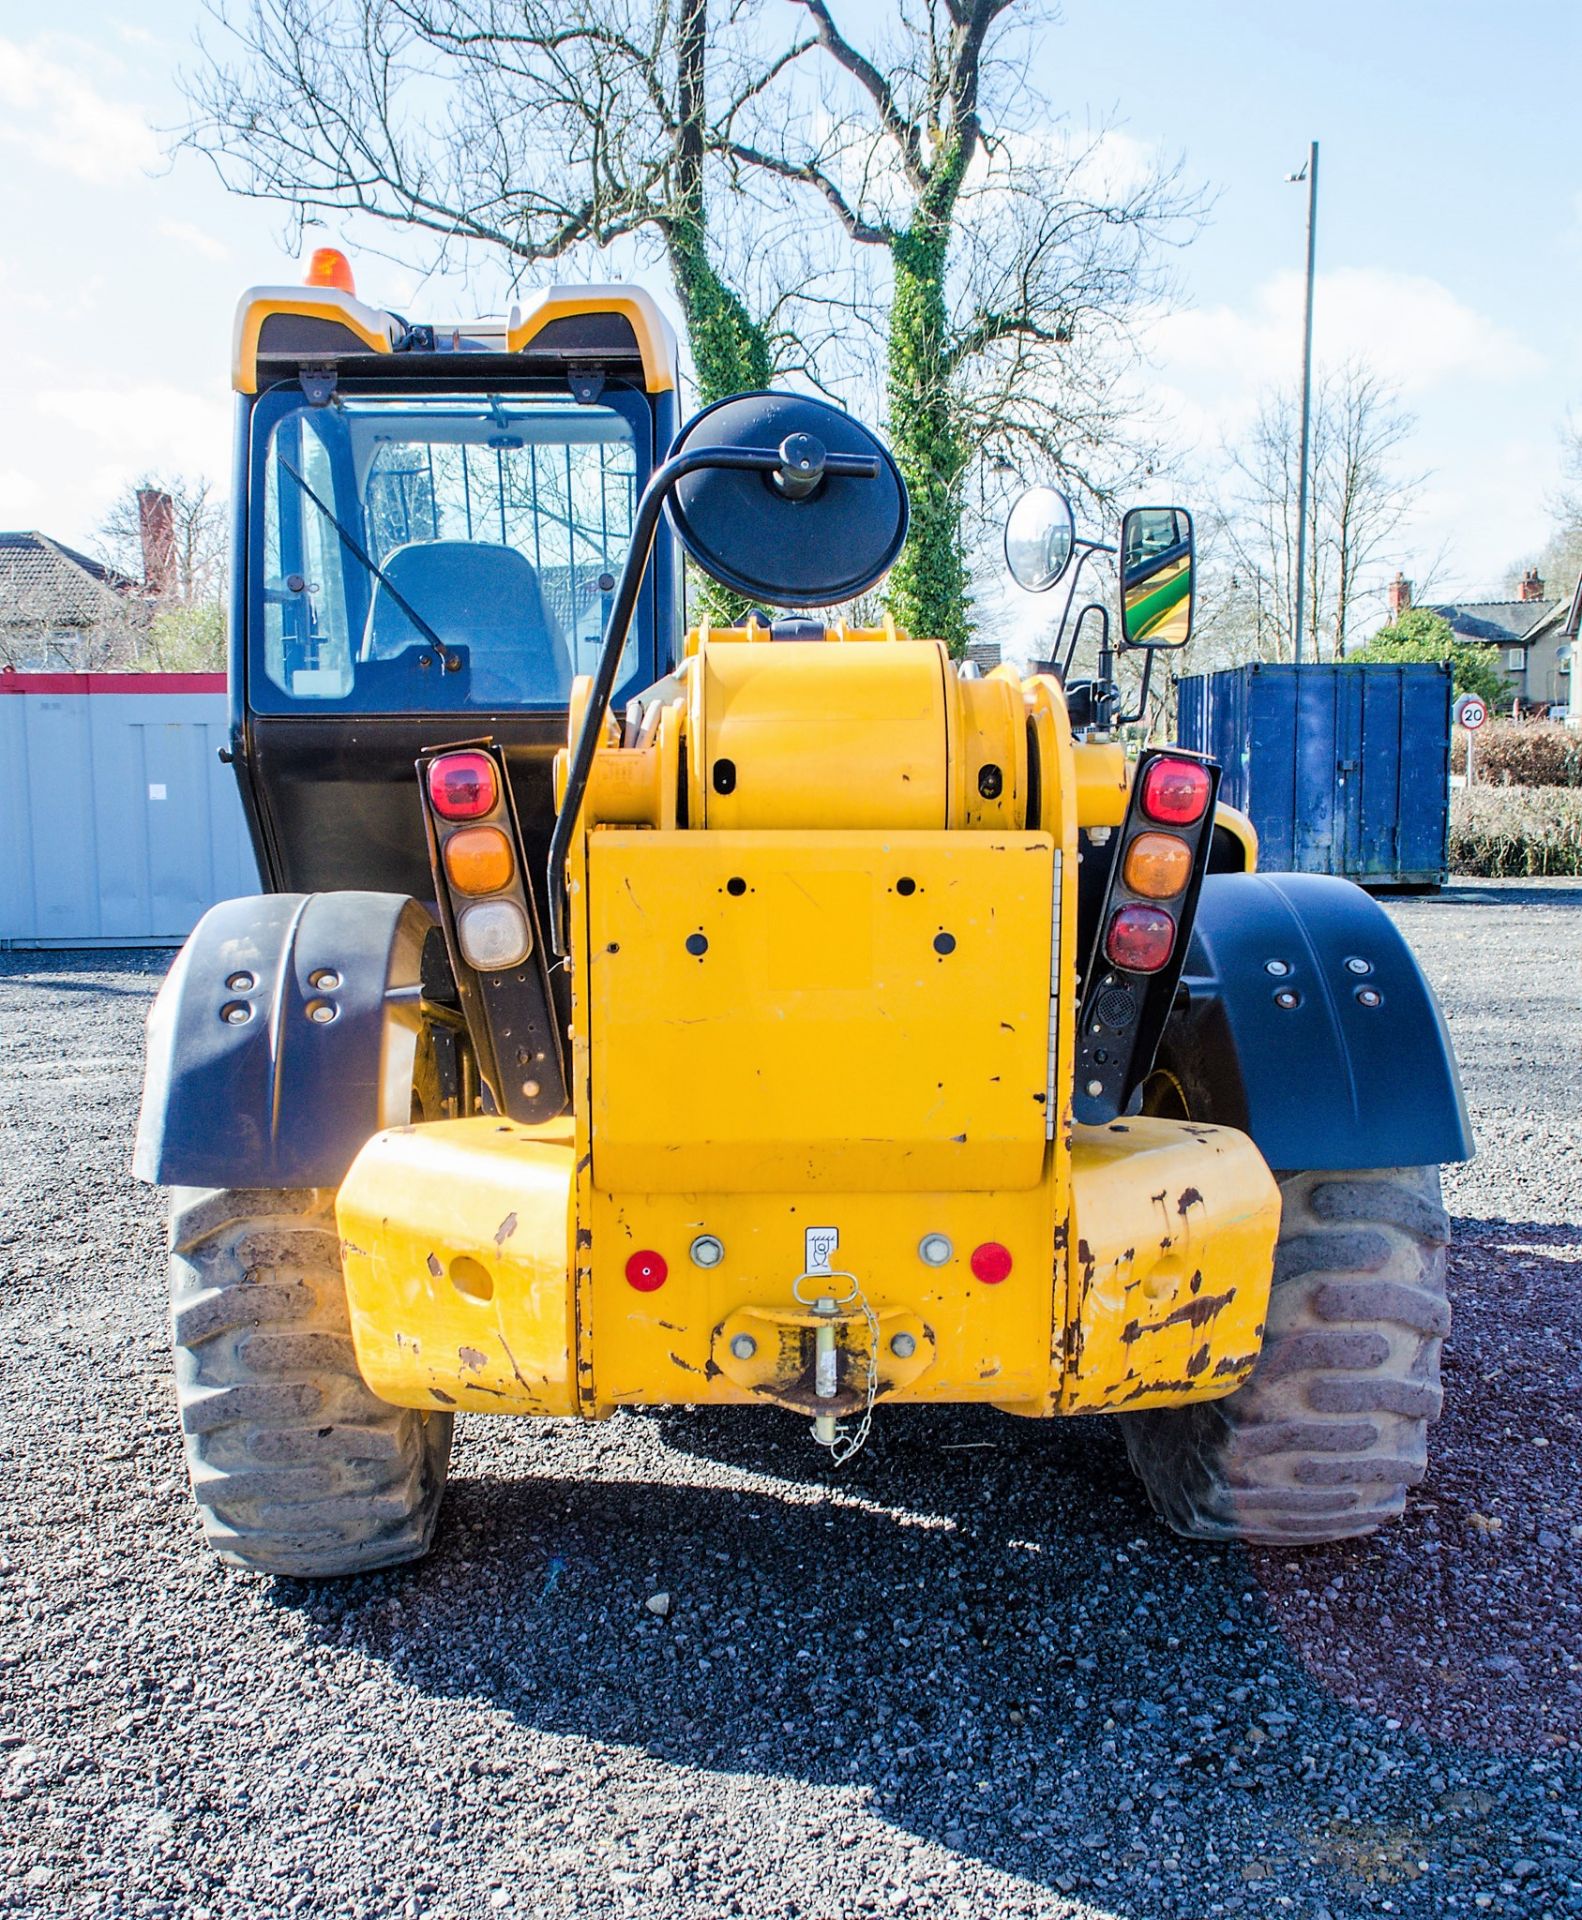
[645, 528]
[1088, 549]
[1126, 719]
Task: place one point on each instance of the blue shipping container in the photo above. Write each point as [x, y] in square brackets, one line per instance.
[1342, 769]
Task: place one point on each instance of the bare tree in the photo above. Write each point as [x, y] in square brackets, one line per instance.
[171, 533]
[980, 267]
[1016, 256]
[1559, 559]
[1359, 505]
[535, 129]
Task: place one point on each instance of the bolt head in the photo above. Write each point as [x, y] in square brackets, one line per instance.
[1357, 965]
[706, 1251]
[934, 1249]
[1095, 1088]
[1369, 997]
[903, 1345]
[744, 1346]
[1287, 999]
[1279, 968]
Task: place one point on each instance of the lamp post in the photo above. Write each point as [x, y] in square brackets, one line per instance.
[1309, 173]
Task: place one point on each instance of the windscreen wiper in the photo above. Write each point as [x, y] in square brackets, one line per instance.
[452, 661]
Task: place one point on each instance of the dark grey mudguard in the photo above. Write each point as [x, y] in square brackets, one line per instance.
[281, 1099]
[1333, 1082]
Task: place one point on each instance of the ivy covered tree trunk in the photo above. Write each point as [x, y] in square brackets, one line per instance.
[927, 593]
[730, 351]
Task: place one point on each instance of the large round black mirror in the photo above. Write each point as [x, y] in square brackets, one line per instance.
[1039, 536]
[800, 535]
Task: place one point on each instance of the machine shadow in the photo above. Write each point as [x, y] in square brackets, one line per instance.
[981, 1627]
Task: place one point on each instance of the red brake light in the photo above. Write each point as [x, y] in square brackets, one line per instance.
[1140, 939]
[462, 786]
[647, 1271]
[991, 1262]
[1175, 792]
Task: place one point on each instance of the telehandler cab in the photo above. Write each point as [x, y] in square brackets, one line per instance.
[779, 1014]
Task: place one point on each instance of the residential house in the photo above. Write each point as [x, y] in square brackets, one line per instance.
[1525, 636]
[61, 611]
[1551, 646]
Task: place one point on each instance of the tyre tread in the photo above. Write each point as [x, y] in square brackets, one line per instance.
[1330, 1430]
[296, 1468]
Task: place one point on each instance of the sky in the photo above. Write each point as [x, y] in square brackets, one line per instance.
[1449, 241]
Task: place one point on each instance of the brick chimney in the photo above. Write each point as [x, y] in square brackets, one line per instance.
[1532, 587]
[1400, 595]
[156, 522]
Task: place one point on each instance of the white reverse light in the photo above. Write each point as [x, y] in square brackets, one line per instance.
[493, 934]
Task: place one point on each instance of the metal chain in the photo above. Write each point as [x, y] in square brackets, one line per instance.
[846, 1445]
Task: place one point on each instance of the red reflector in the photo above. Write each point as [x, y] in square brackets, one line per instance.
[647, 1271]
[462, 785]
[1140, 939]
[991, 1262]
[1176, 792]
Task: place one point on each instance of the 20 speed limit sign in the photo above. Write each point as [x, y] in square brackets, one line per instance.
[1470, 712]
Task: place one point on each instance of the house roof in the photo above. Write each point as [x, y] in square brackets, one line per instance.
[1563, 614]
[1505, 623]
[43, 582]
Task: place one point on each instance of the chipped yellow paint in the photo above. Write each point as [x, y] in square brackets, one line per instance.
[454, 1244]
[1171, 1249]
[974, 1342]
[772, 1034]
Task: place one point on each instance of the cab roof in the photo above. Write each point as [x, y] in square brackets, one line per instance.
[281, 330]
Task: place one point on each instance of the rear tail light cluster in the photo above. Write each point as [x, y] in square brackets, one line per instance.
[1157, 866]
[1137, 953]
[478, 853]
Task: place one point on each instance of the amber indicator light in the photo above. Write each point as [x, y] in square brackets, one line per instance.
[1158, 865]
[478, 860]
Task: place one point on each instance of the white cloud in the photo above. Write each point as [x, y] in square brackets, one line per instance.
[63, 120]
[1412, 329]
[186, 234]
[18, 498]
[135, 430]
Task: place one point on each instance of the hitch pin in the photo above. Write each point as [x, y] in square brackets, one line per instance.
[826, 1378]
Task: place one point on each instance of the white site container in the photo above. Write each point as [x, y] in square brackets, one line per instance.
[118, 824]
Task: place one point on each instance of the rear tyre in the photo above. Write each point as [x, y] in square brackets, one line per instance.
[1331, 1428]
[296, 1467]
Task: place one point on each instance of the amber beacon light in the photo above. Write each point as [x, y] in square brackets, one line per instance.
[329, 267]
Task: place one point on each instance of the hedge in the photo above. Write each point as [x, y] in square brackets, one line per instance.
[1523, 753]
[1500, 831]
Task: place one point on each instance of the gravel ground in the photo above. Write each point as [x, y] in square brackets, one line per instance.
[970, 1677]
